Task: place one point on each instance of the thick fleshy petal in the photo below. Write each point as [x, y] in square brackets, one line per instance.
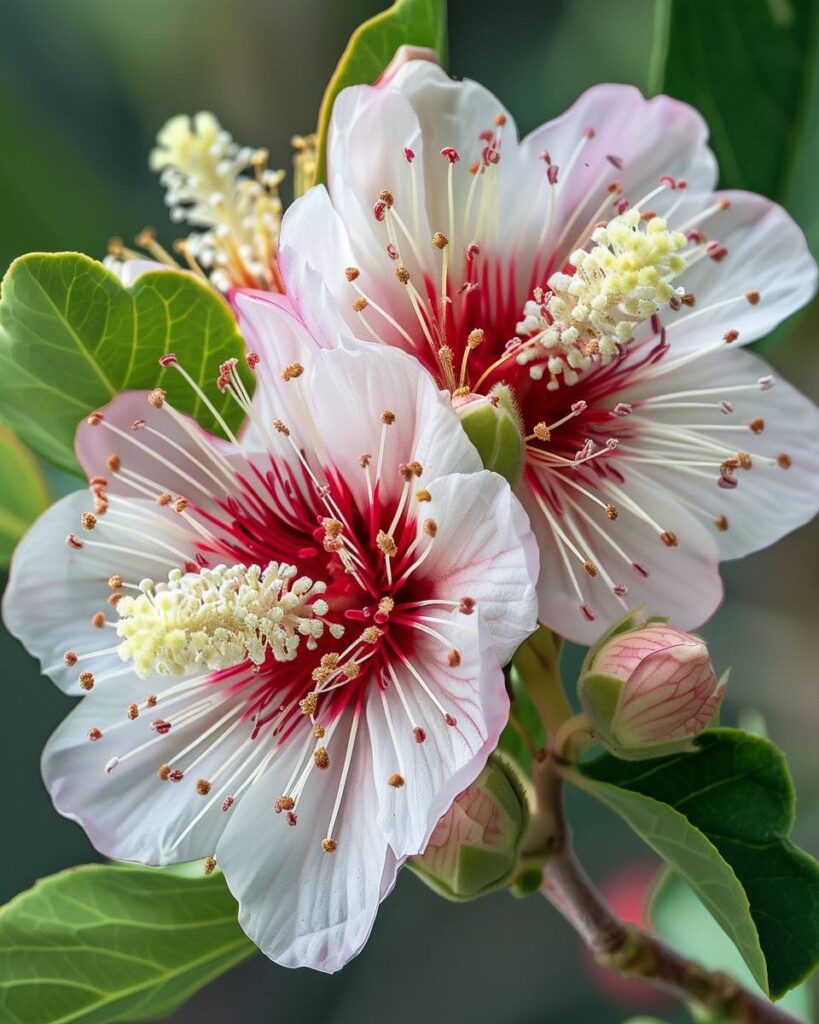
[484, 549]
[301, 905]
[680, 581]
[54, 590]
[412, 737]
[772, 498]
[767, 254]
[128, 812]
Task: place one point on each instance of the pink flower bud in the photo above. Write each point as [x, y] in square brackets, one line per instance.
[649, 691]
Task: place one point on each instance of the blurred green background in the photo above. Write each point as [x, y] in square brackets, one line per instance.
[84, 86]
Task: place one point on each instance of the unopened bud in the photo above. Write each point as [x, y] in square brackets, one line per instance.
[649, 689]
[474, 848]
[493, 424]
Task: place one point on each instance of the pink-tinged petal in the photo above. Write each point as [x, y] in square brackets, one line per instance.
[681, 581]
[615, 135]
[767, 259]
[127, 810]
[621, 655]
[485, 550]
[403, 55]
[425, 428]
[303, 906]
[421, 761]
[776, 425]
[167, 450]
[55, 589]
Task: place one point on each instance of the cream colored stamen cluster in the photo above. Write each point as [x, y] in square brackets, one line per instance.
[227, 194]
[221, 617]
[621, 280]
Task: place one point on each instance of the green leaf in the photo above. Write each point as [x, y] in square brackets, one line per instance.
[72, 337]
[721, 818]
[107, 943]
[23, 489]
[679, 918]
[371, 48]
[748, 69]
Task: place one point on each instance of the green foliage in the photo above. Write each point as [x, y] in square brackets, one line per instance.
[721, 818]
[371, 48]
[679, 918]
[72, 337]
[106, 943]
[533, 684]
[24, 492]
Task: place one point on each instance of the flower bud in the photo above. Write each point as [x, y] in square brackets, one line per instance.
[492, 423]
[473, 849]
[649, 689]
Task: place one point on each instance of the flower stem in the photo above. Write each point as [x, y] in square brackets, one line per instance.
[622, 946]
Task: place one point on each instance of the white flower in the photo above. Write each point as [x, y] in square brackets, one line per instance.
[592, 269]
[292, 642]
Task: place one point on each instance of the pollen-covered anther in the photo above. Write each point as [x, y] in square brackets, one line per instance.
[88, 520]
[132, 712]
[753, 297]
[721, 523]
[757, 425]
[292, 371]
[371, 635]
[73, 541]
[281, 428]
[115, 581]
[730, 336]
[203, 787]
[332, 527]
[164, 499]
[422, 494]
[386, 197]
[98, 620]
[466, 606]
[453, 659]
[395, 780]
[284, 803]
[114, 598]
[329, 845]
[209, 865]
[156, 398]
[590, 568]
[386, 605]
[86, 680]
[321, 758]
[163, 772]
[308, 704]
[71, 658]
[784, 461]
[450, 720]
[360, 304]
[94, 419]
[541, 432]
[180, 505]
[176, 775]
[612, 512]
[386, 544]
[387, 417]
[352, 273]
[430, 527]
[95, 734]
[669, 539]
[439, 240]
[318, 732]
[350, 669]
[745, 461]
[419, 734]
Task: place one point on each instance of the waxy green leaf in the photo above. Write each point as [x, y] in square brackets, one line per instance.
[680, 918]
[72, 337]
[721, 818]
[23, 489]
[370, 49]
[105, 943]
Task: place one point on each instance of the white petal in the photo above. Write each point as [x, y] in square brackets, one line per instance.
[450, 757]
[128, 812]
[484, 549]
[683, 582]
[768, 501]
[767, 253]
[302, 906]
[129, 270]
[377, 380]
[54, 590]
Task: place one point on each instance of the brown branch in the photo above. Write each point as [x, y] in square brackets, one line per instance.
[626, 948]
